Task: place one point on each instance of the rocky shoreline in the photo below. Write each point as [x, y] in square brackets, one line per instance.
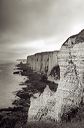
[16, 117]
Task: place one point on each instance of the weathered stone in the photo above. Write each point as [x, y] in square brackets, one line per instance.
[70, 60]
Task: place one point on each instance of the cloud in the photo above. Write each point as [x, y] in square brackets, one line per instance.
[40, 18]
[38, 24]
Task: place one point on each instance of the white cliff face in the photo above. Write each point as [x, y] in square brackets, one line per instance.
[77, 55]
[51, 107]
[37, 104]
[43, 62]
[70, 59]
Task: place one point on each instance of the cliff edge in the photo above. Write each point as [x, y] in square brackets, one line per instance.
[67, 66]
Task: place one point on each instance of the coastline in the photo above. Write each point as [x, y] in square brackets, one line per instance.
[16, 117]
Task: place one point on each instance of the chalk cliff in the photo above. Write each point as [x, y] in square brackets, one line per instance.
[43, 62]
[67, 65]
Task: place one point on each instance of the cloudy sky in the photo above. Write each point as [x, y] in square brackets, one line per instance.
[30, 26]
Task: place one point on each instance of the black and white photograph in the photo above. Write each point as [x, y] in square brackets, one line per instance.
[41, 63]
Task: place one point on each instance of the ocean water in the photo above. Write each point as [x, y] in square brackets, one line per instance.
[9, 84]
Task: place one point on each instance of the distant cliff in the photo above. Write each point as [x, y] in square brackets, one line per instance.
[67, 65]
[43, 62]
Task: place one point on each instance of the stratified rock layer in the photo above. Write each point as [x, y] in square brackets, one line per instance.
[70, 60]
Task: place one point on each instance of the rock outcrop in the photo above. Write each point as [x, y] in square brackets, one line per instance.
[43, 62]
[38, 106]
[69, 61]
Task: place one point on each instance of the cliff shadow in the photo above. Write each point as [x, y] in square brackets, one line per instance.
[55, 72]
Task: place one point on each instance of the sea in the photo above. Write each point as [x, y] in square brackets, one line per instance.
[9, 84]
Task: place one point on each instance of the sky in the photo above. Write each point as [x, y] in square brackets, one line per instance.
[31, 26]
